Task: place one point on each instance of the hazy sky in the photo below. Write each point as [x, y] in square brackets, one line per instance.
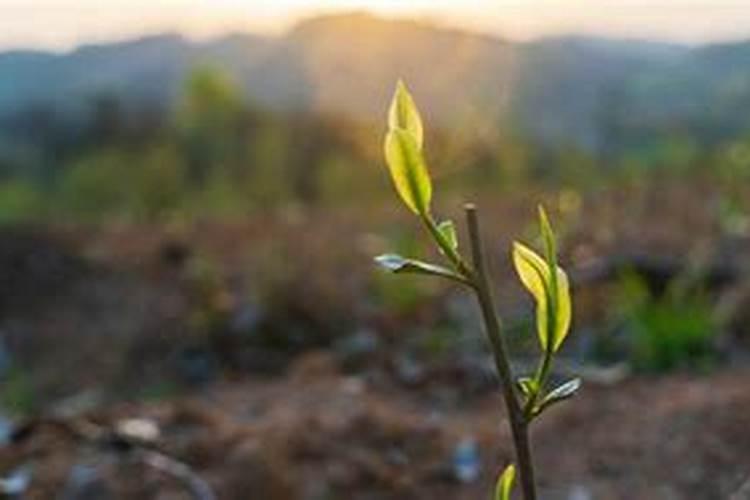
[60, 24]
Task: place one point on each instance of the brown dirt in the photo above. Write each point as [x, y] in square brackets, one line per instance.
[318, 434]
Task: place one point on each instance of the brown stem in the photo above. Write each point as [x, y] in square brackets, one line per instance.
[518, 423]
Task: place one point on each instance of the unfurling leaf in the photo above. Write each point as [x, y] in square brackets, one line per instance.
[398, 264]
[404, 114]
[550, 246]
[561, 393]
[505, 483]
[534, 272]
[408, 170]
[527, 385]
[448, 231]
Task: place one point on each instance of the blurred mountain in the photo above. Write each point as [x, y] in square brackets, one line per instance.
[569, 86]
[560, 90]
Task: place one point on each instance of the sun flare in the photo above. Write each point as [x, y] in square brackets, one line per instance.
[61, 24]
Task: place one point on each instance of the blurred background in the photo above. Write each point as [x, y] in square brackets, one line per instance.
[192, 191]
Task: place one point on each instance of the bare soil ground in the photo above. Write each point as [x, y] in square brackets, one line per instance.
[319, 434]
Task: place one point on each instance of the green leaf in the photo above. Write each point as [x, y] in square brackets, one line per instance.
[534, 272]
[561, 393]
[527, 385]
[550, 246]
[550, 255]
[448, 230]
[559, 287]
[504, 484]
[564, 309]
[403, 114]
[397, 264]
[408, 170]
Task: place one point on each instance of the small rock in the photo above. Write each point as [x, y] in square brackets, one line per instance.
[138, 429]
[466, 462]
[15, 484]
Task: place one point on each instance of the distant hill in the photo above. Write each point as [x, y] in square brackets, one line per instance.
[570, 89]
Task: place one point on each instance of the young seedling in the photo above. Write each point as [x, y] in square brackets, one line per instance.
[526, 397]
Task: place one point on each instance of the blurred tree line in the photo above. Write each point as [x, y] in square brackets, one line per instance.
[215, 154]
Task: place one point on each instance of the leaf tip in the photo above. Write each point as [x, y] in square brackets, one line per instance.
[542, 215]
[403, 113]
[505, 483]
[390, 261]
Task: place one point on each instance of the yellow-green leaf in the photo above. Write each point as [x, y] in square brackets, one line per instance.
[448, 230]
[504, 484]
[535, 275]
[404, 114]
[548, 236]
[564, 308]
[408, 170]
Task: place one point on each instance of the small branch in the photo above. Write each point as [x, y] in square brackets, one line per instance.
[196, 485]
[106, 438]
[518, 423]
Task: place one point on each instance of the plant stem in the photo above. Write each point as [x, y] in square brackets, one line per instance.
[450, 252]
[518, 423]
[540, 379]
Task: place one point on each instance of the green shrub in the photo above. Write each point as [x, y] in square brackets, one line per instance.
[676, 330]
[20, 202]
[157, 184]
[97, 185]
[17, 393]
[146, 185]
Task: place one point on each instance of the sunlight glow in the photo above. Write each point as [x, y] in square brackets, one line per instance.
[64, 23]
